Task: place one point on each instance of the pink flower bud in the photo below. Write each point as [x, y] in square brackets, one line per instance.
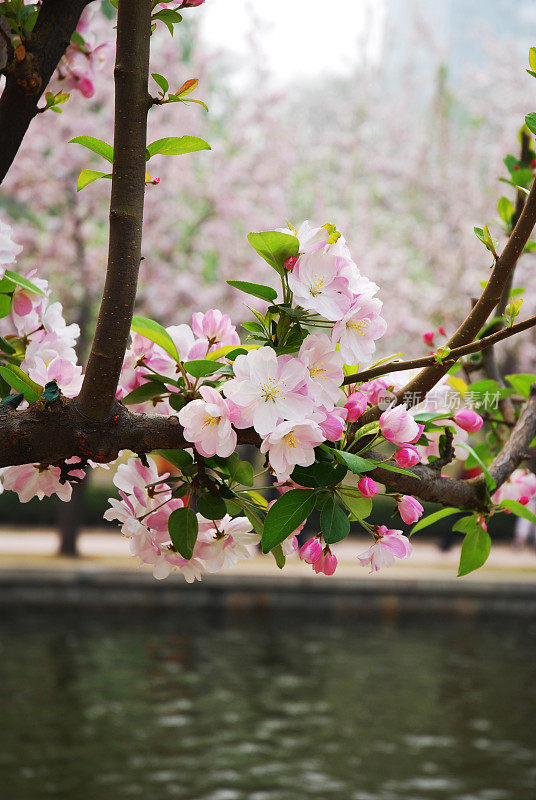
[441, 330]
[330, 563]
[409, 509]
[190, 3]
[155, 181]
[367, 487]
[428, 338]
[311, 551]
[407, 456]
[334, 425]
[290, 262]
[468, 420]
[356, 405]
[524, 500]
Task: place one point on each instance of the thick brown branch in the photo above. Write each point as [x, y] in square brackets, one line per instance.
[454, 355]
[427, 379]
[50, 38]
[126, 210]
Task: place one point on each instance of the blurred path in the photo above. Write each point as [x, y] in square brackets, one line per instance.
[107, 550]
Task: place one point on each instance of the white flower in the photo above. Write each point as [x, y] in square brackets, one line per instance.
[221, 544]
[318, 286]
[207, 423]
[9, 249]
[292, 443]
[267, 389]
[358, 329]
[324, 369]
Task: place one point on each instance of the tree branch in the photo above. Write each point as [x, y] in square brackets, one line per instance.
[427, 379]
[454, 355]
[50, 38]
[126, 210]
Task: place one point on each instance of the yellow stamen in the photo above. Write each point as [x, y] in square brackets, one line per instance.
[317, 285]
[210, 422]
[273, 389]
[360, 326]
[291, 440]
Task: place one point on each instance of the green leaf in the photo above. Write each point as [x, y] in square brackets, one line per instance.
[183, 527]
[240, 471]
[187, 87]
[518, 509]
[169, 17]
[155, 333]
[274, 247]
[210, 506]
[424, 522]
[319, 474]
[6, 347]
[19, 381]
[87, 176]
[532, 58]
[254, 517]
[279, 556]
[475, 549]
[176, 146]
[161, 81]
[201, 368]
[286, 514]
[506, 209]
[96, 145]
[253, 327]
[334, 523]
[490, 482]
[20, 280]
[179, 458]
[256, 289]
[5, 305]
[359, 507]
[395, 468]
[144, 392]
[521, 383]
[356, 464]
[530, 121]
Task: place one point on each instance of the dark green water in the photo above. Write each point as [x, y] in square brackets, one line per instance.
[98, 707]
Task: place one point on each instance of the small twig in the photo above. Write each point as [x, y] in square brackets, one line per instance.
[454, 355]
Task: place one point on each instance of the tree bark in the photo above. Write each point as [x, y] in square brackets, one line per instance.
[132, 103]
[50, 38]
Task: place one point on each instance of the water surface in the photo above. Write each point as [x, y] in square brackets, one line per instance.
[265, 707]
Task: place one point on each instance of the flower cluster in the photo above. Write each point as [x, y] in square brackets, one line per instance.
[144, 510]
[284, 382]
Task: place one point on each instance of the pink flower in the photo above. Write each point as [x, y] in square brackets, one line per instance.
[223, 543]
[409, 509]
[399, 427]
[207, 423]
[9, 249]
[267, 388]
[324, 369]
[334, 425]
[292, 443]
[67, 375]
[468, 420]
[189, 3]
[407, 456]
[290, 544]
[356, 405]
[390, 544]
[428, 338]
[357, 330]
[326, 563]
[215, 328]
[520, 484]
[373, 389]
[311, 551]
[367, 487]
[317, 285]
[33, 480]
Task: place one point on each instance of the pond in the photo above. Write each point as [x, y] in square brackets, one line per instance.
[98, 706]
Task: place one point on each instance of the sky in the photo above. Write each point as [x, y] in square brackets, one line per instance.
[301, 38]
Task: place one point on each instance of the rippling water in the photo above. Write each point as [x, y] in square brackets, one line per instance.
[264, 707]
